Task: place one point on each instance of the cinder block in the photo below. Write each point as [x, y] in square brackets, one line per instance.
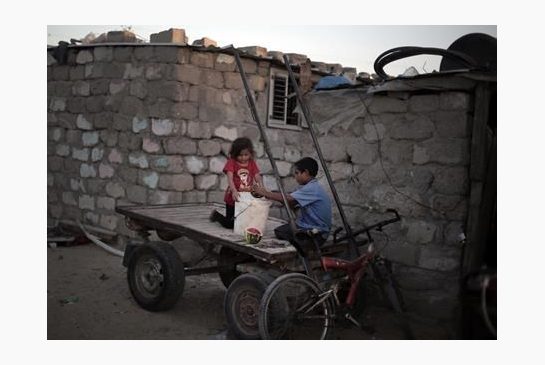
[335, 68]
[169, 36]
[137, 194]
[216, 164]
[209, 148]
[55, 163]
[195, 165]
[276, 55]
[205, 42]
[254, 51]
[206, 182]
[121, 36]
[364, 75]
[296, 59]
[350, 73]
[320, 66]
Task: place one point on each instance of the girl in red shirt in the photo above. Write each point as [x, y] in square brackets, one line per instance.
[242, 172]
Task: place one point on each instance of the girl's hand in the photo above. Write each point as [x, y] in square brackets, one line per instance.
[236, 195]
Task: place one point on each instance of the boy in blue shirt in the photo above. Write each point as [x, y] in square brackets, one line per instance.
[310, 197]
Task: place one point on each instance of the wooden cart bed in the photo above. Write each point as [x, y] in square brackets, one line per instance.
[192, 221]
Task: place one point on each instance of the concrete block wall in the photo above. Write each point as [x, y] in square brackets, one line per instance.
[410, 152]
[143, 125]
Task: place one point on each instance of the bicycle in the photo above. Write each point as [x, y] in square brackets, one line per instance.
[306, 306]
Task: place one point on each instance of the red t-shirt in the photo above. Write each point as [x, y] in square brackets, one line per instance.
[243, 177]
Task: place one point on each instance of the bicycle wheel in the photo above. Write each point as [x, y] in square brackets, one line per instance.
[293, 307]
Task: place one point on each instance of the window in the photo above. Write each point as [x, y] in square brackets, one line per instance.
[282, 102]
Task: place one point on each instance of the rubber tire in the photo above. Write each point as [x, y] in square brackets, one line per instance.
[246, 290]
[229, 258]
[264, 307]
[161, 256]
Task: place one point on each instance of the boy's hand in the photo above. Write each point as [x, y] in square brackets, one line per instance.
[258, 190]
[236, 195]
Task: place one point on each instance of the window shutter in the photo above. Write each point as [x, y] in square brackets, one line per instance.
[282, 102]
[278, 102]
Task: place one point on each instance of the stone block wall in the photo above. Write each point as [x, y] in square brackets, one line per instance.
[153, 124]
[410, 152]
[150, 125]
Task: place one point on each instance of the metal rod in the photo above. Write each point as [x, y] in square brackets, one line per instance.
[253, 109]
[308, 118]
[200, 270]
[378, 226]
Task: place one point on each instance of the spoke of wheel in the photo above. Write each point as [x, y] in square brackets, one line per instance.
[315, 316]
[323, 297]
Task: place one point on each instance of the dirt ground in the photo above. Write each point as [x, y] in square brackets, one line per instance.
[88, 299]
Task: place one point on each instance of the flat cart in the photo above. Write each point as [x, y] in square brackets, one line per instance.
[156, 272]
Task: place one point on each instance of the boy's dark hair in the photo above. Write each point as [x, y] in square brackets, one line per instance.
[240, 144]
[309, 164]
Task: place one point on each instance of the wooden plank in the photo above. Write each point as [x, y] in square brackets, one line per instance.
[479, 146]
[481, 216]
[176, 213]
[479, 162]
[185, 207]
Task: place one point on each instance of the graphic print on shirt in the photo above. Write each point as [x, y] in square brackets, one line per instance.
[243, 175]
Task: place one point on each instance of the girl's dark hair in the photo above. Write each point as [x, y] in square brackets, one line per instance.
[240, 144]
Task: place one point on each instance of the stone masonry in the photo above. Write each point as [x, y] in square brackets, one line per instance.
[410, 153]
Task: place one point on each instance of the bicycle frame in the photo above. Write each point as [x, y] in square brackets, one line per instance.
[346, 271]
[355, 271]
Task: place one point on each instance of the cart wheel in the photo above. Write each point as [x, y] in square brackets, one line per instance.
[156, 276]
[242, 305]
[227, 263]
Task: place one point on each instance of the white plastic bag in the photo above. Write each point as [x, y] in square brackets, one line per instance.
[251, 212]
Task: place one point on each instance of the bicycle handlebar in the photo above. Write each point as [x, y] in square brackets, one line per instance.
[378, 226]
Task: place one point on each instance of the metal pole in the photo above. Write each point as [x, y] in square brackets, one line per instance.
[306, 112]
[253, 109]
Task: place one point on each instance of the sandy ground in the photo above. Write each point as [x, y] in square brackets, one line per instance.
[88, 298]
[105, 308]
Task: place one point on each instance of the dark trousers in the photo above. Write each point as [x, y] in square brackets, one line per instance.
[227, 221]
[304, 244]
[284, 232]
